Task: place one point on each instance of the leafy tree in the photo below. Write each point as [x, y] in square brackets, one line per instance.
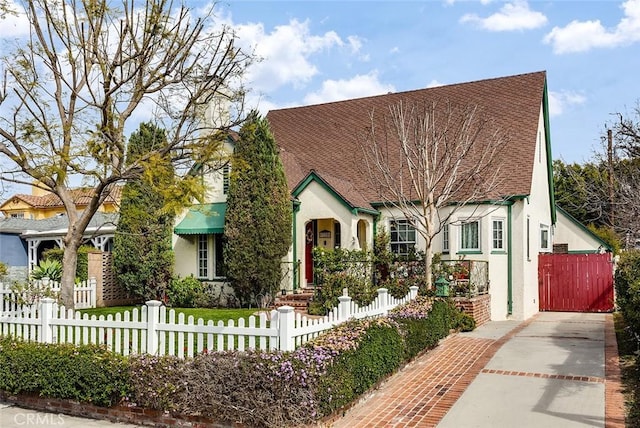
[142, 253]
[582, 190]
[89, 68]
[258, 216]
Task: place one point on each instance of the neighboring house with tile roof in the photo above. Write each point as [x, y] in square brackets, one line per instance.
[335, 206]
[41, 204]
[36, 222]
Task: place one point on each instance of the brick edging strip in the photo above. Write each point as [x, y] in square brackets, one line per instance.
[614, 407]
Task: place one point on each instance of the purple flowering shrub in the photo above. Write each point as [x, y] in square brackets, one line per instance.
[264, 389]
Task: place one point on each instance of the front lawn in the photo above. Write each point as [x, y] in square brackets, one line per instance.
[214, 315]
[630, 371]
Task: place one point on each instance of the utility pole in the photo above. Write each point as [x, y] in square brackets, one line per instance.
[611, 192]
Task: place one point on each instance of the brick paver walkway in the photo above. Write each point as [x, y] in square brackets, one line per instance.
[424, 391]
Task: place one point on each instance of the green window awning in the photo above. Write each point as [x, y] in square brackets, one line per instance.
[203, 219]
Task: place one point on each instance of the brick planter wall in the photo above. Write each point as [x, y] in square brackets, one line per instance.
[120, 413]
[478, 307]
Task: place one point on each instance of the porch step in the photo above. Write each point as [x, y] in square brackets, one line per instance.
[299, 301]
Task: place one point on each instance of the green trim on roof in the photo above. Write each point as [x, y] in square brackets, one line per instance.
[547, 131]
[372, 211]
[584, 229]
[203, 219]
[315, 177]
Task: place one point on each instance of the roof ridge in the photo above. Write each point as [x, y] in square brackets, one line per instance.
[411, 91]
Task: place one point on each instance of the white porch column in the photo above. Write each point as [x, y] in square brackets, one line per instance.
[33, 245]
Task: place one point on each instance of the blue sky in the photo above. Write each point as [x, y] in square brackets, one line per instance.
[319, 51]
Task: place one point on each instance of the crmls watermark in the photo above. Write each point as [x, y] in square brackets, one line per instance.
[38, 419]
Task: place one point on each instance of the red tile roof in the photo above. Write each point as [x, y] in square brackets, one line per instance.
[81, 197]
[324, 137]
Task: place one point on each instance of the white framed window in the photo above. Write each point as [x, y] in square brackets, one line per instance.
[226, 170]
[17, 215]
[445, 238]
[403, 237]
[545, 238]
[470, 236]
[210, 256]
[497, 234]
[203, 256]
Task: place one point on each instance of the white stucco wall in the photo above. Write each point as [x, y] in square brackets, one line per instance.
[578, 240]
[536, 208]
[319, 204]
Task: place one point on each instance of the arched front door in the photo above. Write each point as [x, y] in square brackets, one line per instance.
[309, 243]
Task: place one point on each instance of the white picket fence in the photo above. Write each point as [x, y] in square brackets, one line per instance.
[84, 295]
[156, 330]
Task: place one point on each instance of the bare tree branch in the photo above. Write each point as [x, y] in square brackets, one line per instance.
[89, 71]
[425, 157]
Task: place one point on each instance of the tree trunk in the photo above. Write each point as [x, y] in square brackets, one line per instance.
[429, 213]
[428, 257]
[69, 264]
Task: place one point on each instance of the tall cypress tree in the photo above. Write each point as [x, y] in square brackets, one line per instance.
[142, 253]
[258, 216]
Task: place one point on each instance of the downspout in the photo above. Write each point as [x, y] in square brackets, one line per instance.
[296, 208]
[509, 260]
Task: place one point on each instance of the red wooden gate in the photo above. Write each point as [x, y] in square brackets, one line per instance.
[575, 282]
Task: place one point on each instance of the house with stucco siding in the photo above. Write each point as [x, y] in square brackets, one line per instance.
[335, 206]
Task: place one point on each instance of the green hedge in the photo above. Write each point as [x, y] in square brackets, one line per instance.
[82, 267]
[85, 373]
[627, 280]
[353, 372]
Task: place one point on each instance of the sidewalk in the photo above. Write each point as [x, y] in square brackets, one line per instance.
[12, 416]
[546, 372]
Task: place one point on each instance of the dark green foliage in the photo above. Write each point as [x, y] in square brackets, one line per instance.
[258, 216]
[338, 269]
[465, 322]
[627, 282]
[379, 354]
[84, 373]
[184, 292]
[82, 265]
[142, 253]
[48, 268]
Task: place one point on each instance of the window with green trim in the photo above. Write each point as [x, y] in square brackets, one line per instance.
[545, 241]
[403, 237]
[470, 236]
[445, 238]
[497, 234]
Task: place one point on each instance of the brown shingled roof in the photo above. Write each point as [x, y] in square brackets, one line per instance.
[323, 137]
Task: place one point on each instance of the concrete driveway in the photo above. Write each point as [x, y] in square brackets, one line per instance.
[549, 374]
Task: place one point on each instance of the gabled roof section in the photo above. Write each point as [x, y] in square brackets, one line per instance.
[324, 137]
[337, 188]
[583, 228]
